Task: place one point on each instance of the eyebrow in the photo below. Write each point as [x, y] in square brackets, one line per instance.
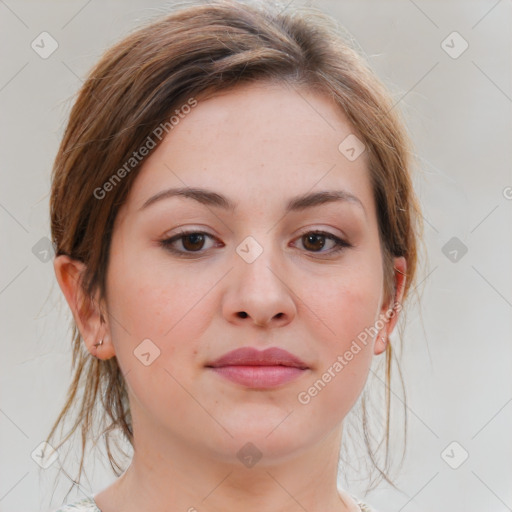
[214, 199]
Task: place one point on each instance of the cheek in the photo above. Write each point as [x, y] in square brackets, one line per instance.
[348, 304]
[172, 310]
[152, 298]
[169, 307]
[346, 300]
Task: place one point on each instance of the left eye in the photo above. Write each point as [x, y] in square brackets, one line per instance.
[316, 240]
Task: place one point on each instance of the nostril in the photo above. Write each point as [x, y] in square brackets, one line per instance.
[243, 314]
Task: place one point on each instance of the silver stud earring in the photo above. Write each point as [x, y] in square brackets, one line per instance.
[99, 343]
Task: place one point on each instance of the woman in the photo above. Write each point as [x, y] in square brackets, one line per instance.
[235, 232]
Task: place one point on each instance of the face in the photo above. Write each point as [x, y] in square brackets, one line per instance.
[251, 262]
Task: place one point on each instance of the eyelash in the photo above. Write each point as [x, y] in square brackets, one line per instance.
[340, 244]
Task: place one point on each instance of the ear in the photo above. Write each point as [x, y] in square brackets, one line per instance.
[90, 319]
[390, 311]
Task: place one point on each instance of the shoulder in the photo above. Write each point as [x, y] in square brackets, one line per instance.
[83, 505]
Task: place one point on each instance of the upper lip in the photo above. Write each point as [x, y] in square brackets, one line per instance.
[248, 356]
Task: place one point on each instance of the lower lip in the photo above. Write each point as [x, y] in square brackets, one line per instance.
[262, 377]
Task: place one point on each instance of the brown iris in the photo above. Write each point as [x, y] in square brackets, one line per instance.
[314, 239]
[196, 241]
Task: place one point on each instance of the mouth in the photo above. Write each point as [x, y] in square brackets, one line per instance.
[259, 377]
[259, 369]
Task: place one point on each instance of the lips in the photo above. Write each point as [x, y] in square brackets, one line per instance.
[248, 356]
[256, 369]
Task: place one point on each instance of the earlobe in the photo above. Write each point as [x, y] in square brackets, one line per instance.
[380, 345]
[86, 311]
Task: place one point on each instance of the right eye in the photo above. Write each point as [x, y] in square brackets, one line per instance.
[191, 242]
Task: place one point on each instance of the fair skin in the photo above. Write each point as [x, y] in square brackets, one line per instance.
[259, 145]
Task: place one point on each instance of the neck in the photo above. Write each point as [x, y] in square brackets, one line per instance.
[168, 475]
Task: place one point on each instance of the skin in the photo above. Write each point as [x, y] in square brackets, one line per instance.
[259, 145]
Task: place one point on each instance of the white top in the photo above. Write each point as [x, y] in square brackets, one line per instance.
[89, 505]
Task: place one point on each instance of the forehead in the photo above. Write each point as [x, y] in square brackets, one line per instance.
[263, 140]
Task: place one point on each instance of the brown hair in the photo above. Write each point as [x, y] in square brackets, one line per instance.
[195, 50]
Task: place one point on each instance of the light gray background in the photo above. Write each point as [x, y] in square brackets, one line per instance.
[458, 356]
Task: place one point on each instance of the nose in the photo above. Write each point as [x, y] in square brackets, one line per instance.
[259, 293]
